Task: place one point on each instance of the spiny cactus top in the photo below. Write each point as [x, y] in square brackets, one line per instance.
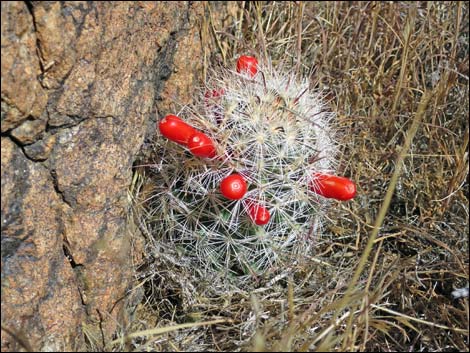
[242, 176]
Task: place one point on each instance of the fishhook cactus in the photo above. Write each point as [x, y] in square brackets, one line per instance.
[243, 176]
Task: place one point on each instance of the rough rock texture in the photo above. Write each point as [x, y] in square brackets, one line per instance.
[83, 84]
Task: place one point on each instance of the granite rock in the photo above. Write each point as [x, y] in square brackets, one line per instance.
[83, 84]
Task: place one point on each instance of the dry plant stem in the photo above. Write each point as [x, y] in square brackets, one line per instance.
[388, 197]
[329, 329]
[299, 38]
[261, 36]
[219, 45]
[204, 39]
[161, 330]
[239, 26]
[419, 320]
[409, 28]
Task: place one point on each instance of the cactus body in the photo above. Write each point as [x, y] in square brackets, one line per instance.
[272, 130]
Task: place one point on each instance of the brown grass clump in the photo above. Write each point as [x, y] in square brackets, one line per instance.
[384, 271]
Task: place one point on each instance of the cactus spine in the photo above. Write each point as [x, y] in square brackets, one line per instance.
[265, 127]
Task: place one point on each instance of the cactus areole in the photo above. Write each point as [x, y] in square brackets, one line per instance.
[244, 176]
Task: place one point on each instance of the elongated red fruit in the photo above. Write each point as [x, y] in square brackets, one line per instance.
[247, 64]
[233, 187]
[332, 186]
[176, 130]
[201, 145]
[259, 214]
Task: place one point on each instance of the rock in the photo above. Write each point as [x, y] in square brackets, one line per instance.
[22, 94]
[40, 299]
[99, 75]
[29, 131]
[40, 150]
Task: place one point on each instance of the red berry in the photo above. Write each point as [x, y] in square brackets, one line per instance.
[332, 186]
[201, 145]
[247, 64]
[175, 129]
[259, 214]
[233, 187]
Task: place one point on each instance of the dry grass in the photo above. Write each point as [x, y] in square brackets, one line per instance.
[382, 277]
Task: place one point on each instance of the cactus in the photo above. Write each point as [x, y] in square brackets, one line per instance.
[269, 132]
